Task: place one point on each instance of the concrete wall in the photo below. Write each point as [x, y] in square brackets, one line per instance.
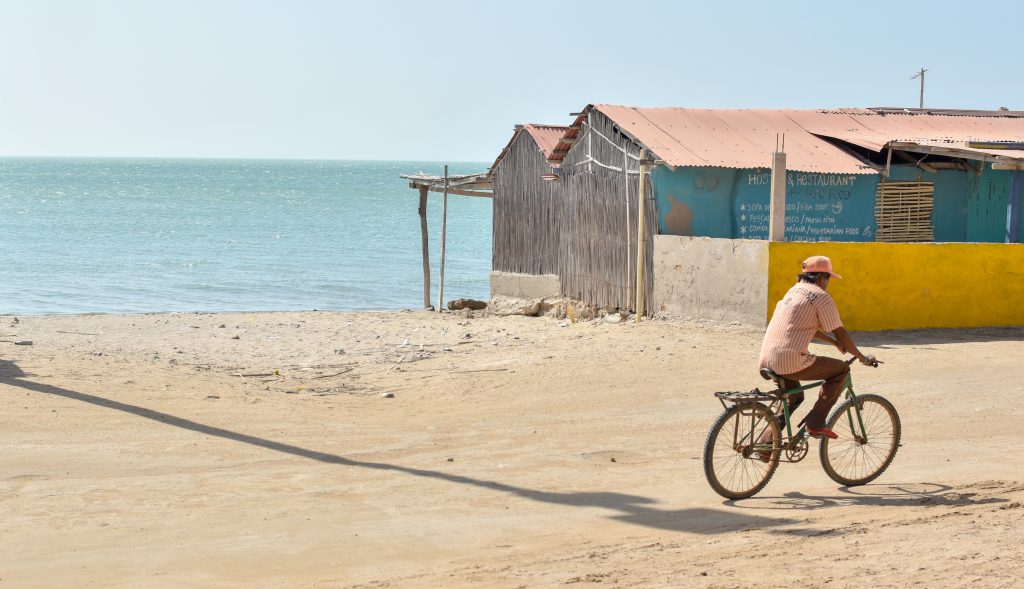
[884, 285]
[709, 278]
[524, 286]
[912, 285]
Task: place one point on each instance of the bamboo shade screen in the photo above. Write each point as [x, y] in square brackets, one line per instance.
[903, 211]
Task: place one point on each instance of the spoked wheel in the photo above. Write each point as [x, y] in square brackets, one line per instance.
[734, 447]
[867, 442]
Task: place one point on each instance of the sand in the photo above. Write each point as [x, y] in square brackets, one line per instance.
[414, 449]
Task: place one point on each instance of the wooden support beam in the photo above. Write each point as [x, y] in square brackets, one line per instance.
[444, 235]
[950, 166]
[640, 238]
[476, 193]
[963, 153]
[919, 163]
[426, 250]
[461, 192]
[1012, 166]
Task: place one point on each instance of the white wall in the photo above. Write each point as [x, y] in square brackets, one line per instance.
[710, 278]
[524, 286]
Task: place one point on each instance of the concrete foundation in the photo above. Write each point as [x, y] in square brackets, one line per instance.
[525, 286]
[714, 279]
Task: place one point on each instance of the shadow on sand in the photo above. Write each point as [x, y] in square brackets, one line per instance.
[629, 508]
[926, 337]
[875, 495]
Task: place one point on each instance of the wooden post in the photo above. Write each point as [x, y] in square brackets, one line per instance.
[426, 249]
[640, 249]
[777, 210]
[629, 231]
[444, 237]
[920, 74]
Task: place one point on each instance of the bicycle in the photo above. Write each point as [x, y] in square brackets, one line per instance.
[734, 463]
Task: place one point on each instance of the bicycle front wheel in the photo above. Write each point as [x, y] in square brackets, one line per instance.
[741, 452]
[869, 435]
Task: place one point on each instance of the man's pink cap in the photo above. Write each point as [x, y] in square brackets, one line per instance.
[819, 264]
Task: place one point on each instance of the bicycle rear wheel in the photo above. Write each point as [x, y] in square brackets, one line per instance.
[867, 442]
[733, 450]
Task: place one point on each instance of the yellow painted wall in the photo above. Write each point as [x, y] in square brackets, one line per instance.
[912, 285]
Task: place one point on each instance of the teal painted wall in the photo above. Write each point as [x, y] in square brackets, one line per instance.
[949, 209]
[694, 201]
[722, 202]
[987, 197]
[729, 203]
[819, 207]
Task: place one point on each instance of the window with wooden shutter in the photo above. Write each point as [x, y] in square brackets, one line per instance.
[903, 211]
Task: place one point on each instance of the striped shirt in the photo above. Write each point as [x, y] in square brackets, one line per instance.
[804, 310]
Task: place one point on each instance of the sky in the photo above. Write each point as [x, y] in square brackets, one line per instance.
[449, 80]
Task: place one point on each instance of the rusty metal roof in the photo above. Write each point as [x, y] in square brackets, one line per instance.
[874, 130]
[545, 136]
[747, 138]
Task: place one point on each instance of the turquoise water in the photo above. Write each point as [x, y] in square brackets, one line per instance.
[145, 235]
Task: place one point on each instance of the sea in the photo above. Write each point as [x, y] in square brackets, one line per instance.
[92, 235]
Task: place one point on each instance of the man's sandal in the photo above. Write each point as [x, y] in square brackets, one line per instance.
[817, 433]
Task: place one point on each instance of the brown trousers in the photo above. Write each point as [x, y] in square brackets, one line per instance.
[833, 372]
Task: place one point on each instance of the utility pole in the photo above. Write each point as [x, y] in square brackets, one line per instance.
[920, 74]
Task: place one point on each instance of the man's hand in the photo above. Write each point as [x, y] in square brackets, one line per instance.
[869, 360]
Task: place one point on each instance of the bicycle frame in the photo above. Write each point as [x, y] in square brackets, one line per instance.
[784, 401]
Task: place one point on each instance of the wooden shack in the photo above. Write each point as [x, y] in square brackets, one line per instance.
[568, 231]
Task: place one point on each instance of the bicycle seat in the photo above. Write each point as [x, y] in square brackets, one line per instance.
[769, 374]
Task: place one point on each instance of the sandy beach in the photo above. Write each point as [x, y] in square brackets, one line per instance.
[415, 449]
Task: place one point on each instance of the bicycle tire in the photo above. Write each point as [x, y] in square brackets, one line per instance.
[849, 460]
[733, 470]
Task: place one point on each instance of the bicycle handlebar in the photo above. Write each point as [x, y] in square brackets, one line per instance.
[854, 359]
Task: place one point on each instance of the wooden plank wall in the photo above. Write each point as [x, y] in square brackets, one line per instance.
[599, 253]
[527, 212]
[581, 227]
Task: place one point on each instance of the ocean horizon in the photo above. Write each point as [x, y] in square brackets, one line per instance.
[152, 235]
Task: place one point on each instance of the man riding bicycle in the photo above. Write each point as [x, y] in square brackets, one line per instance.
[807, 312]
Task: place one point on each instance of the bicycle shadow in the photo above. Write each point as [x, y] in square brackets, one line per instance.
[634, 509]
[874, 495]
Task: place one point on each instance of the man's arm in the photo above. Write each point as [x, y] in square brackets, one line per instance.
[843, 339]
[824, 338]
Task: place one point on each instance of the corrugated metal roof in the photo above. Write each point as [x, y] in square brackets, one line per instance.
[545, 136]
[746, 138]
[730, 138]
[961, 149]
[874, 130]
